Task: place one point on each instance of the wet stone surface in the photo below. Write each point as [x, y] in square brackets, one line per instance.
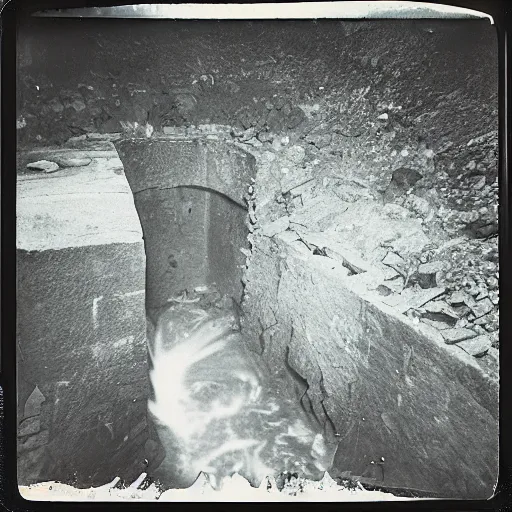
[224, 415]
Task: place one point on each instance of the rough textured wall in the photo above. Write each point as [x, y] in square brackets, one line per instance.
[363, 98]
[174, 240]
[406, 409]
[89, 75]
[227, 237]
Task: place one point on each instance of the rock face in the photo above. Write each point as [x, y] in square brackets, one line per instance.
[81, 328]
[382, 386]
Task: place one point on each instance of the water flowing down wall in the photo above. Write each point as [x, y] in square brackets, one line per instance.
[88, 273]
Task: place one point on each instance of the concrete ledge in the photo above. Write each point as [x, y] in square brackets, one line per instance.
[76, 207]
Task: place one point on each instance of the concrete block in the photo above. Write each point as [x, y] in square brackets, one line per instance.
[190, 198]
[81, 313]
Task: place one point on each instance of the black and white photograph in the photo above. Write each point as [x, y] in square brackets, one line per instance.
[257, 254]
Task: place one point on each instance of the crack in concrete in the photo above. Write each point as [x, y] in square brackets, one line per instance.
[196, 187]
[302, 382]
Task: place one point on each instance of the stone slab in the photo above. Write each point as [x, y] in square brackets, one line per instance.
[76, 207]
[435, 421]
[81, 269]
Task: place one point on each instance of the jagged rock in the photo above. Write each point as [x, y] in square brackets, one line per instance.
[483, 320]
[274, 121]
[43, 165]
[484, 293]
[56, 105]
[275, 227]
[494, 297]
[474, 290]
[461, 323]
[29, 426]
[442, 307]
[483, 228]
[418, 205]
[482, 307]
[295, 118]
[265, 136]
[495, 338]
[459, 297]
[402, 180]
[78, 104]
[456, 335]
[254, 142]
[440, 313]
[427, 273]
[478, 329]
[72, 162]
[295, 154]
[276, 145]
[492, 282]
[478, 182]
[477, 346]
[248, 134]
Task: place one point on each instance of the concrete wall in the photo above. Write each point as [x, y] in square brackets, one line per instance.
[81, 327]
[190, 198]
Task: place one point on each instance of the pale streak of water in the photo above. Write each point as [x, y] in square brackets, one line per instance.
[215, 408]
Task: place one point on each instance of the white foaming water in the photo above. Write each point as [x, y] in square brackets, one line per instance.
[214, 407]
